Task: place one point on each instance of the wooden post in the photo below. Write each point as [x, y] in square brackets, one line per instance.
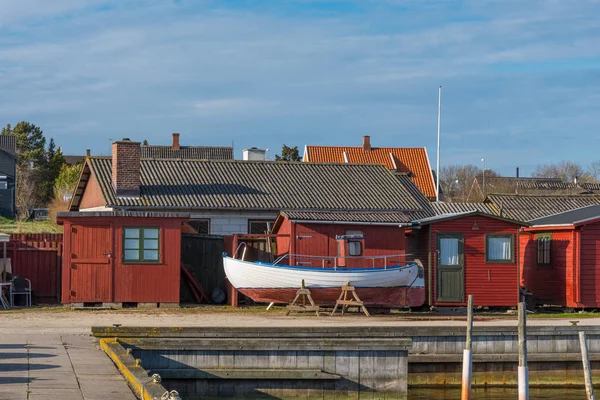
[523, 370]
[587, 373]
[467, 355]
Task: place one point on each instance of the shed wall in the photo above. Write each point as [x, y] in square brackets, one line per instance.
[590, 262]
[490, 284]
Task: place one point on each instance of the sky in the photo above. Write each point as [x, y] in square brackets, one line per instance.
[520, 79]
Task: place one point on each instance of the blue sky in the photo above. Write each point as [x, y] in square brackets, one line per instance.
[521, 79]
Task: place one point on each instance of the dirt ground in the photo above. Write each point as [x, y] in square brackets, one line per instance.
[61, 320]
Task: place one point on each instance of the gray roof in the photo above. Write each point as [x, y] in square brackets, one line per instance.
[448, 216]
[454, 208]
[188, 152]
[570, 217]
[256, 185]
[8, 143]
[425, 206]
[373, 217]
[531, 207]
[72, 160]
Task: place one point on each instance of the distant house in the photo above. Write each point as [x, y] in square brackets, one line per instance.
[74, 159]
[226, 197]
[411, 161]
[8, 168]
[176, 150]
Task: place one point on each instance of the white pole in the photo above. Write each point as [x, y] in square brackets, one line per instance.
[523, 372]
[484, 192]
[587, 370]
[467, 355]
[437, 173]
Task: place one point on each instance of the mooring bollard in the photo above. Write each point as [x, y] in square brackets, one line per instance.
[523, 370]
[467, 355]
[587, 372]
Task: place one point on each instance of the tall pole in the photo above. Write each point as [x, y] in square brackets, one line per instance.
[484, 192]
[437, 173]
[467, 355]
[523, 370]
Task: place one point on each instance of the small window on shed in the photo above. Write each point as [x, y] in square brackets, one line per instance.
[141, 244]
[499, 249]
[354, 246]
[544, 249]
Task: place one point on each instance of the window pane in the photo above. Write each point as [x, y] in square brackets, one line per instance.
[151, 255]
[151, 244]
[132, 255]
[354, 248]
[132, 233]
[132, 244]
[150, 233]
[499, 248]
[449, 251]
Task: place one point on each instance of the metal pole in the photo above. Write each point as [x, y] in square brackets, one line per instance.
[484, 192]
[467, 355]
[523, 370]
[587, 373]
[437, 173]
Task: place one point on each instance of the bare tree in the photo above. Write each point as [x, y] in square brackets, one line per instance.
[566, 171]
[593, 170]
[26, 195]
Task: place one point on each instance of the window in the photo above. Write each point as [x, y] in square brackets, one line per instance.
[259, 227]
[141, 244]
[544, 249]
[354, 246]
[3, 185]
[449, 250]
[499, 249]
[201, 226]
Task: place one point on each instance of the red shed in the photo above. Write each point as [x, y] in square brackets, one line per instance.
[469, 253]
[315, 234]
[121, 257]
[560, 258]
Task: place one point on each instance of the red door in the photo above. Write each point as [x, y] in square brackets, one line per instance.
[91, 264]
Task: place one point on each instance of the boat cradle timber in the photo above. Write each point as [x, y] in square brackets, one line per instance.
[391, 286]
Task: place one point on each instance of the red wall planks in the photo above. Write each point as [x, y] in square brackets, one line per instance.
[490, 284]
[123, 282]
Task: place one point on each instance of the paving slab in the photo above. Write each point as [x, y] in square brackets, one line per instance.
[71, 367]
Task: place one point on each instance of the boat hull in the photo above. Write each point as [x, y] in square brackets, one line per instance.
[390, 297]
[392, 287]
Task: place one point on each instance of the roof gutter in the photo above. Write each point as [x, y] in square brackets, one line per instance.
[400, 225]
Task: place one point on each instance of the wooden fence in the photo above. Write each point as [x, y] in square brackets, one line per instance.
[38, 257]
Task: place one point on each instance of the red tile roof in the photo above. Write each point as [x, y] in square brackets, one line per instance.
[413, 160]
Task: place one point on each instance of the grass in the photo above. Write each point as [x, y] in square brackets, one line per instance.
[12, 226]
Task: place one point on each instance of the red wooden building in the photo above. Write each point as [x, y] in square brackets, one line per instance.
[560, 258]
[465, 253]
[314, 233]
[121, 257]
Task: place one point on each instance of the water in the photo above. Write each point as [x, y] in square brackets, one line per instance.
[497, 394]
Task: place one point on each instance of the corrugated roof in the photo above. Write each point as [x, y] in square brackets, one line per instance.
[340, 216]
[72, 160]
[531, 207]
[426, 209]
[453, 208]
[413, 160]
[448, 216]
[570, 217]
[258, 185]
[188, 152]
[8, 143]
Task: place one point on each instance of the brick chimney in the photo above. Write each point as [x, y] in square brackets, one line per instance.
[175, 145]
[367, 143]
[126, 168]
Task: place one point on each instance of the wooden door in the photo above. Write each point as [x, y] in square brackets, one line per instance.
[91, 264]
[450, 269]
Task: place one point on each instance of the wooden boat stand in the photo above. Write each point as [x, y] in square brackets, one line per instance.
[346, 303]
[305, 293]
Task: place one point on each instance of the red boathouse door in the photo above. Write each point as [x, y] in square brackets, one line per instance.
[91, 264]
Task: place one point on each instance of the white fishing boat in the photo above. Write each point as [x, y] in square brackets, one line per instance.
[386, 286]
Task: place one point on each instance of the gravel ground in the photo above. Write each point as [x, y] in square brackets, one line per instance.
[59, 320]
